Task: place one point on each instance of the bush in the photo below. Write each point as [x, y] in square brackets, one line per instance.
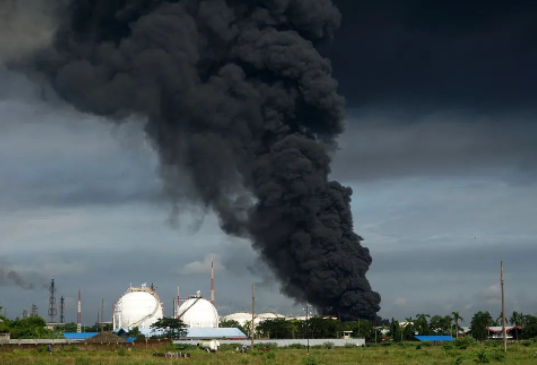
[296, 346]
[448, 345]
[271, 355]
[526, 343]
[482, 358]
[327, 345]
[121, 352]
[464, 342]
[310, 360]
[386, 343]
[498, 356]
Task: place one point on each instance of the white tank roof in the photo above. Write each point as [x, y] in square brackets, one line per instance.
[138, 307]
[197, 312]
[243, 317]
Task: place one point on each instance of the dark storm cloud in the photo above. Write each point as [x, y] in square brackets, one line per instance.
[391, 145]
[446, 53]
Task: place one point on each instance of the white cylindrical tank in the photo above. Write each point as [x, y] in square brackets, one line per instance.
[138, 307]
[197, 312]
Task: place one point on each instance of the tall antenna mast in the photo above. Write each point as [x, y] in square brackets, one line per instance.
[504, 332]
[52, 302]
[62, 310]
[212, 279]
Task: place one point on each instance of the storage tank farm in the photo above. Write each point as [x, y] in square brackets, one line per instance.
[197, 312]
[138, 307]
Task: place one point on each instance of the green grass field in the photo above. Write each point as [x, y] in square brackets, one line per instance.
[409, 353]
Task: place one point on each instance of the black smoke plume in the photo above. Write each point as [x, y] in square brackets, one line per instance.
[9, 277]
[236, 94]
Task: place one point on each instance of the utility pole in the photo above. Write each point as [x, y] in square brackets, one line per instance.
[252, 327]
[504, 332]
[102, 315]
[309, 326]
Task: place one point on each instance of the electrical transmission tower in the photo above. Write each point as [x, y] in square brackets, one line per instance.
[62, 310]
[52, 302]
[35, 312]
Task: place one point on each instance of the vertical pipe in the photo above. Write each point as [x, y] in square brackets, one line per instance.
[503, 312]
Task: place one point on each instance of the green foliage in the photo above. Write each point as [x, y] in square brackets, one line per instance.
[463, 343]
[310, 360]
[271, 355]
[482, 357]
[479, 324]
[174, 327]
[422, 325]
[121, 352]
[82, 360]
[28, 328]
[530, 327]
[395, 330]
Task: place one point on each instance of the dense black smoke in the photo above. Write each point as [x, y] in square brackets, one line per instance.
[236, 94]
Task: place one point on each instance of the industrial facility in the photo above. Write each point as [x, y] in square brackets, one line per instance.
[138, 307]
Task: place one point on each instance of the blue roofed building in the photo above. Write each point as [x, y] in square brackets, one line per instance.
[76, 336]
[434, 338]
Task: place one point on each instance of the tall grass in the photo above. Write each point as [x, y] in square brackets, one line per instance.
[404, 353]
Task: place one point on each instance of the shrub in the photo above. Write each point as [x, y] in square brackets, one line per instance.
[271, 355]
[482, 358]
[498, 356]
[244, 361]
[526, 343]
[327, 345]
[297, 346]
[121, 352]
[458, 361]
[448, 345]
[310, 360]
[464, 342]
[386, 343]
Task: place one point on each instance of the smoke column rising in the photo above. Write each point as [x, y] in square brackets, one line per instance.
[240, 104]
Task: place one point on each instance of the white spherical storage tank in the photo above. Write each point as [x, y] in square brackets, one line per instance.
[138, 307]
[197, 312]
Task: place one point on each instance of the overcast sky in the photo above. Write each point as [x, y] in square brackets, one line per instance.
[440, 151]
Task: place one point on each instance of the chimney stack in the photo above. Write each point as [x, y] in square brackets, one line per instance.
[79, 317]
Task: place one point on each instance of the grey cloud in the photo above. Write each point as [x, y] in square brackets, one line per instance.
[389, 145]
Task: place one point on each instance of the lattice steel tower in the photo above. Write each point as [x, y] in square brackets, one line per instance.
[52, 302]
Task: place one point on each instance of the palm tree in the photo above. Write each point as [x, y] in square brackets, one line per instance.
[456, 318]
[516, 319]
